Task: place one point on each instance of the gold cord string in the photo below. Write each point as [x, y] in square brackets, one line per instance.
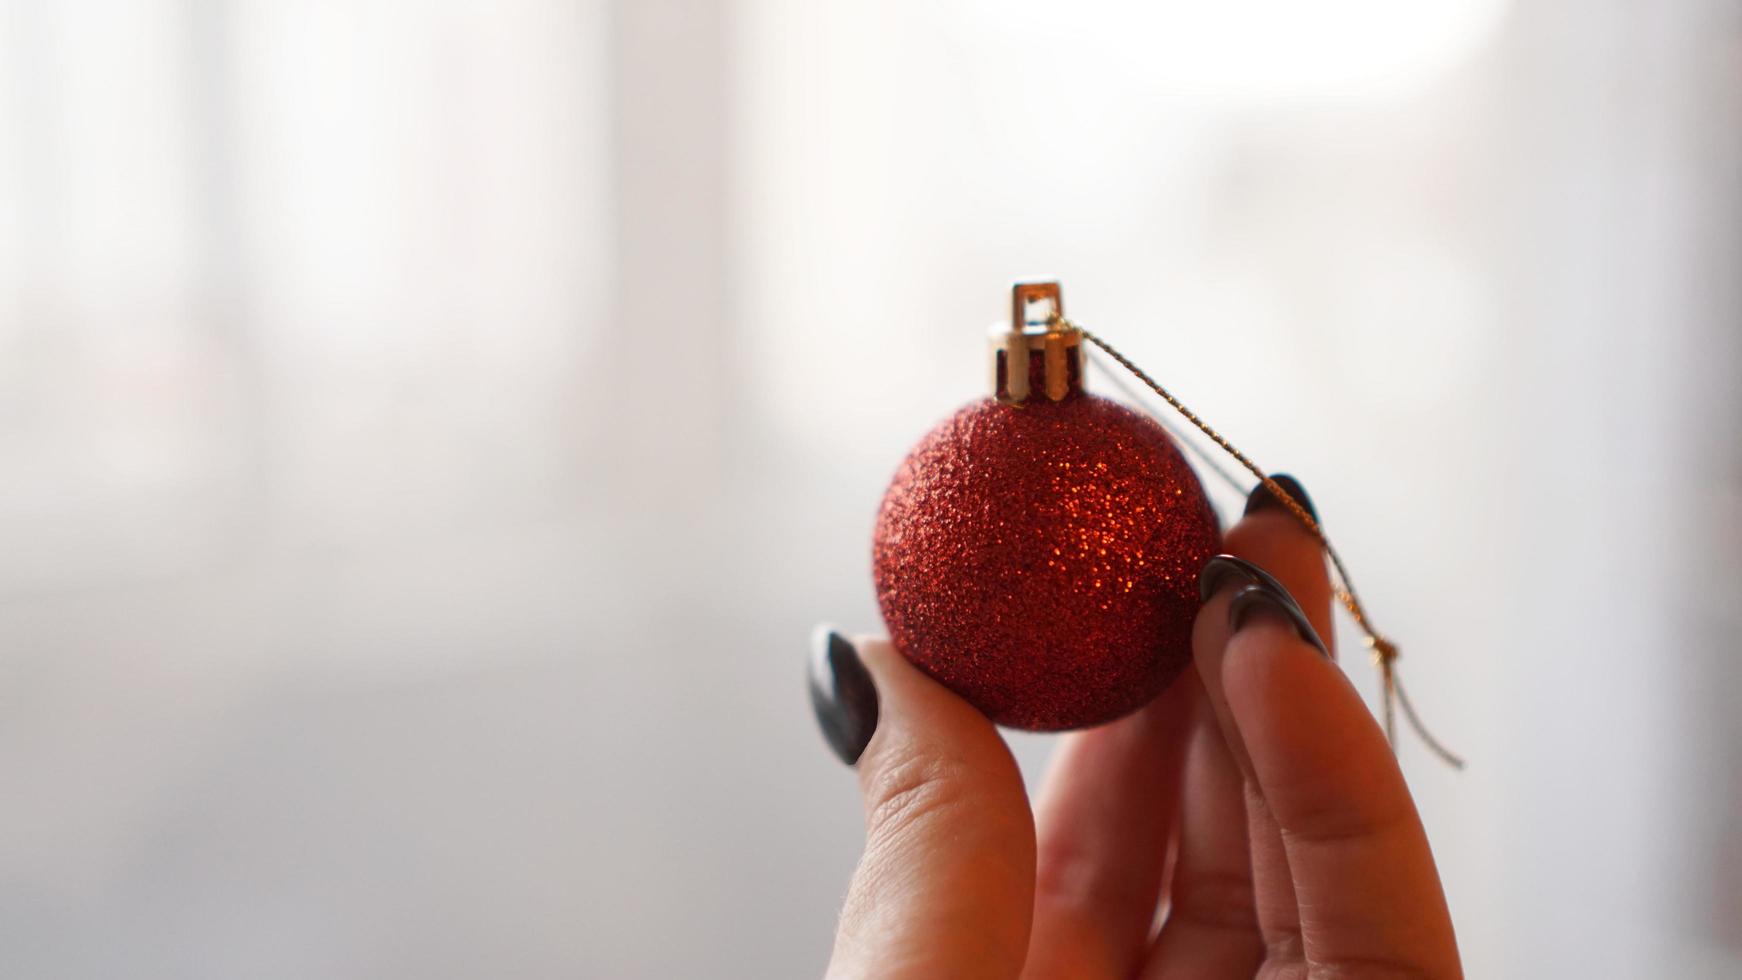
[1383, 651]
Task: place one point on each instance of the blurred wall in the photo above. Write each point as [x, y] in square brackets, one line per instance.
[429, 431]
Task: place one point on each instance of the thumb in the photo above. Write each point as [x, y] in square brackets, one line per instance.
[946, 884]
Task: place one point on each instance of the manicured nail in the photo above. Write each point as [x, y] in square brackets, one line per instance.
[1261, 598]
[842, 694]
[1222, 569]
[1262, 499]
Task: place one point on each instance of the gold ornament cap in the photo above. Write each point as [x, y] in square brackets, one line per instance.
[1034, 358]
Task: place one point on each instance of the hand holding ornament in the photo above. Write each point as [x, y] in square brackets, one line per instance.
[1297, 848]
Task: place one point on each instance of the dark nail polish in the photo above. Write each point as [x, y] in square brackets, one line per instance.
[1222, 569]
[842, 694]
[1254, 598]
[1262, 499]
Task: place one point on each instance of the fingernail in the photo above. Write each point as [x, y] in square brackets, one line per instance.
[1262, 598]
[842, 694]
[1221, 569]
[1262, 499]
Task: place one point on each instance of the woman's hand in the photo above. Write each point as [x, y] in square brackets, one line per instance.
[1254, 811]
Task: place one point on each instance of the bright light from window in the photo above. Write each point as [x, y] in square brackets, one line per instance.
[1257, 48]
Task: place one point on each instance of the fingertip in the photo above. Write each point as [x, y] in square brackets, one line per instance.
[1277, 542]
[923, 722]
[1263, 498]
[878, 653]
[915, 693]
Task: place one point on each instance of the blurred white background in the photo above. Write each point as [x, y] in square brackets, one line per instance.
[428, 432]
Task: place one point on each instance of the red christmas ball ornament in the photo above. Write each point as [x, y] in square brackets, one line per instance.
[1038, 552]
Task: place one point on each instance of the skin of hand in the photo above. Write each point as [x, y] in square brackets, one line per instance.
[1251, 822]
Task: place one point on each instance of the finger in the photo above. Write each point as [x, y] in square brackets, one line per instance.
[1105, 819]
[1361, 886]
[1272, 538]
[1279, 549]
[946, 883]
[1211, 930]
[1367, 892]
